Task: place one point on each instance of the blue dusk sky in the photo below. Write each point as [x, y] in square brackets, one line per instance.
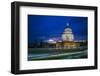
[43, 27]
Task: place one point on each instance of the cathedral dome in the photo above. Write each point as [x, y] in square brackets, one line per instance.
[67, 34]
[68, 30]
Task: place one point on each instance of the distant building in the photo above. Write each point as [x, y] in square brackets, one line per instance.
[67, 41]
[67, 34]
